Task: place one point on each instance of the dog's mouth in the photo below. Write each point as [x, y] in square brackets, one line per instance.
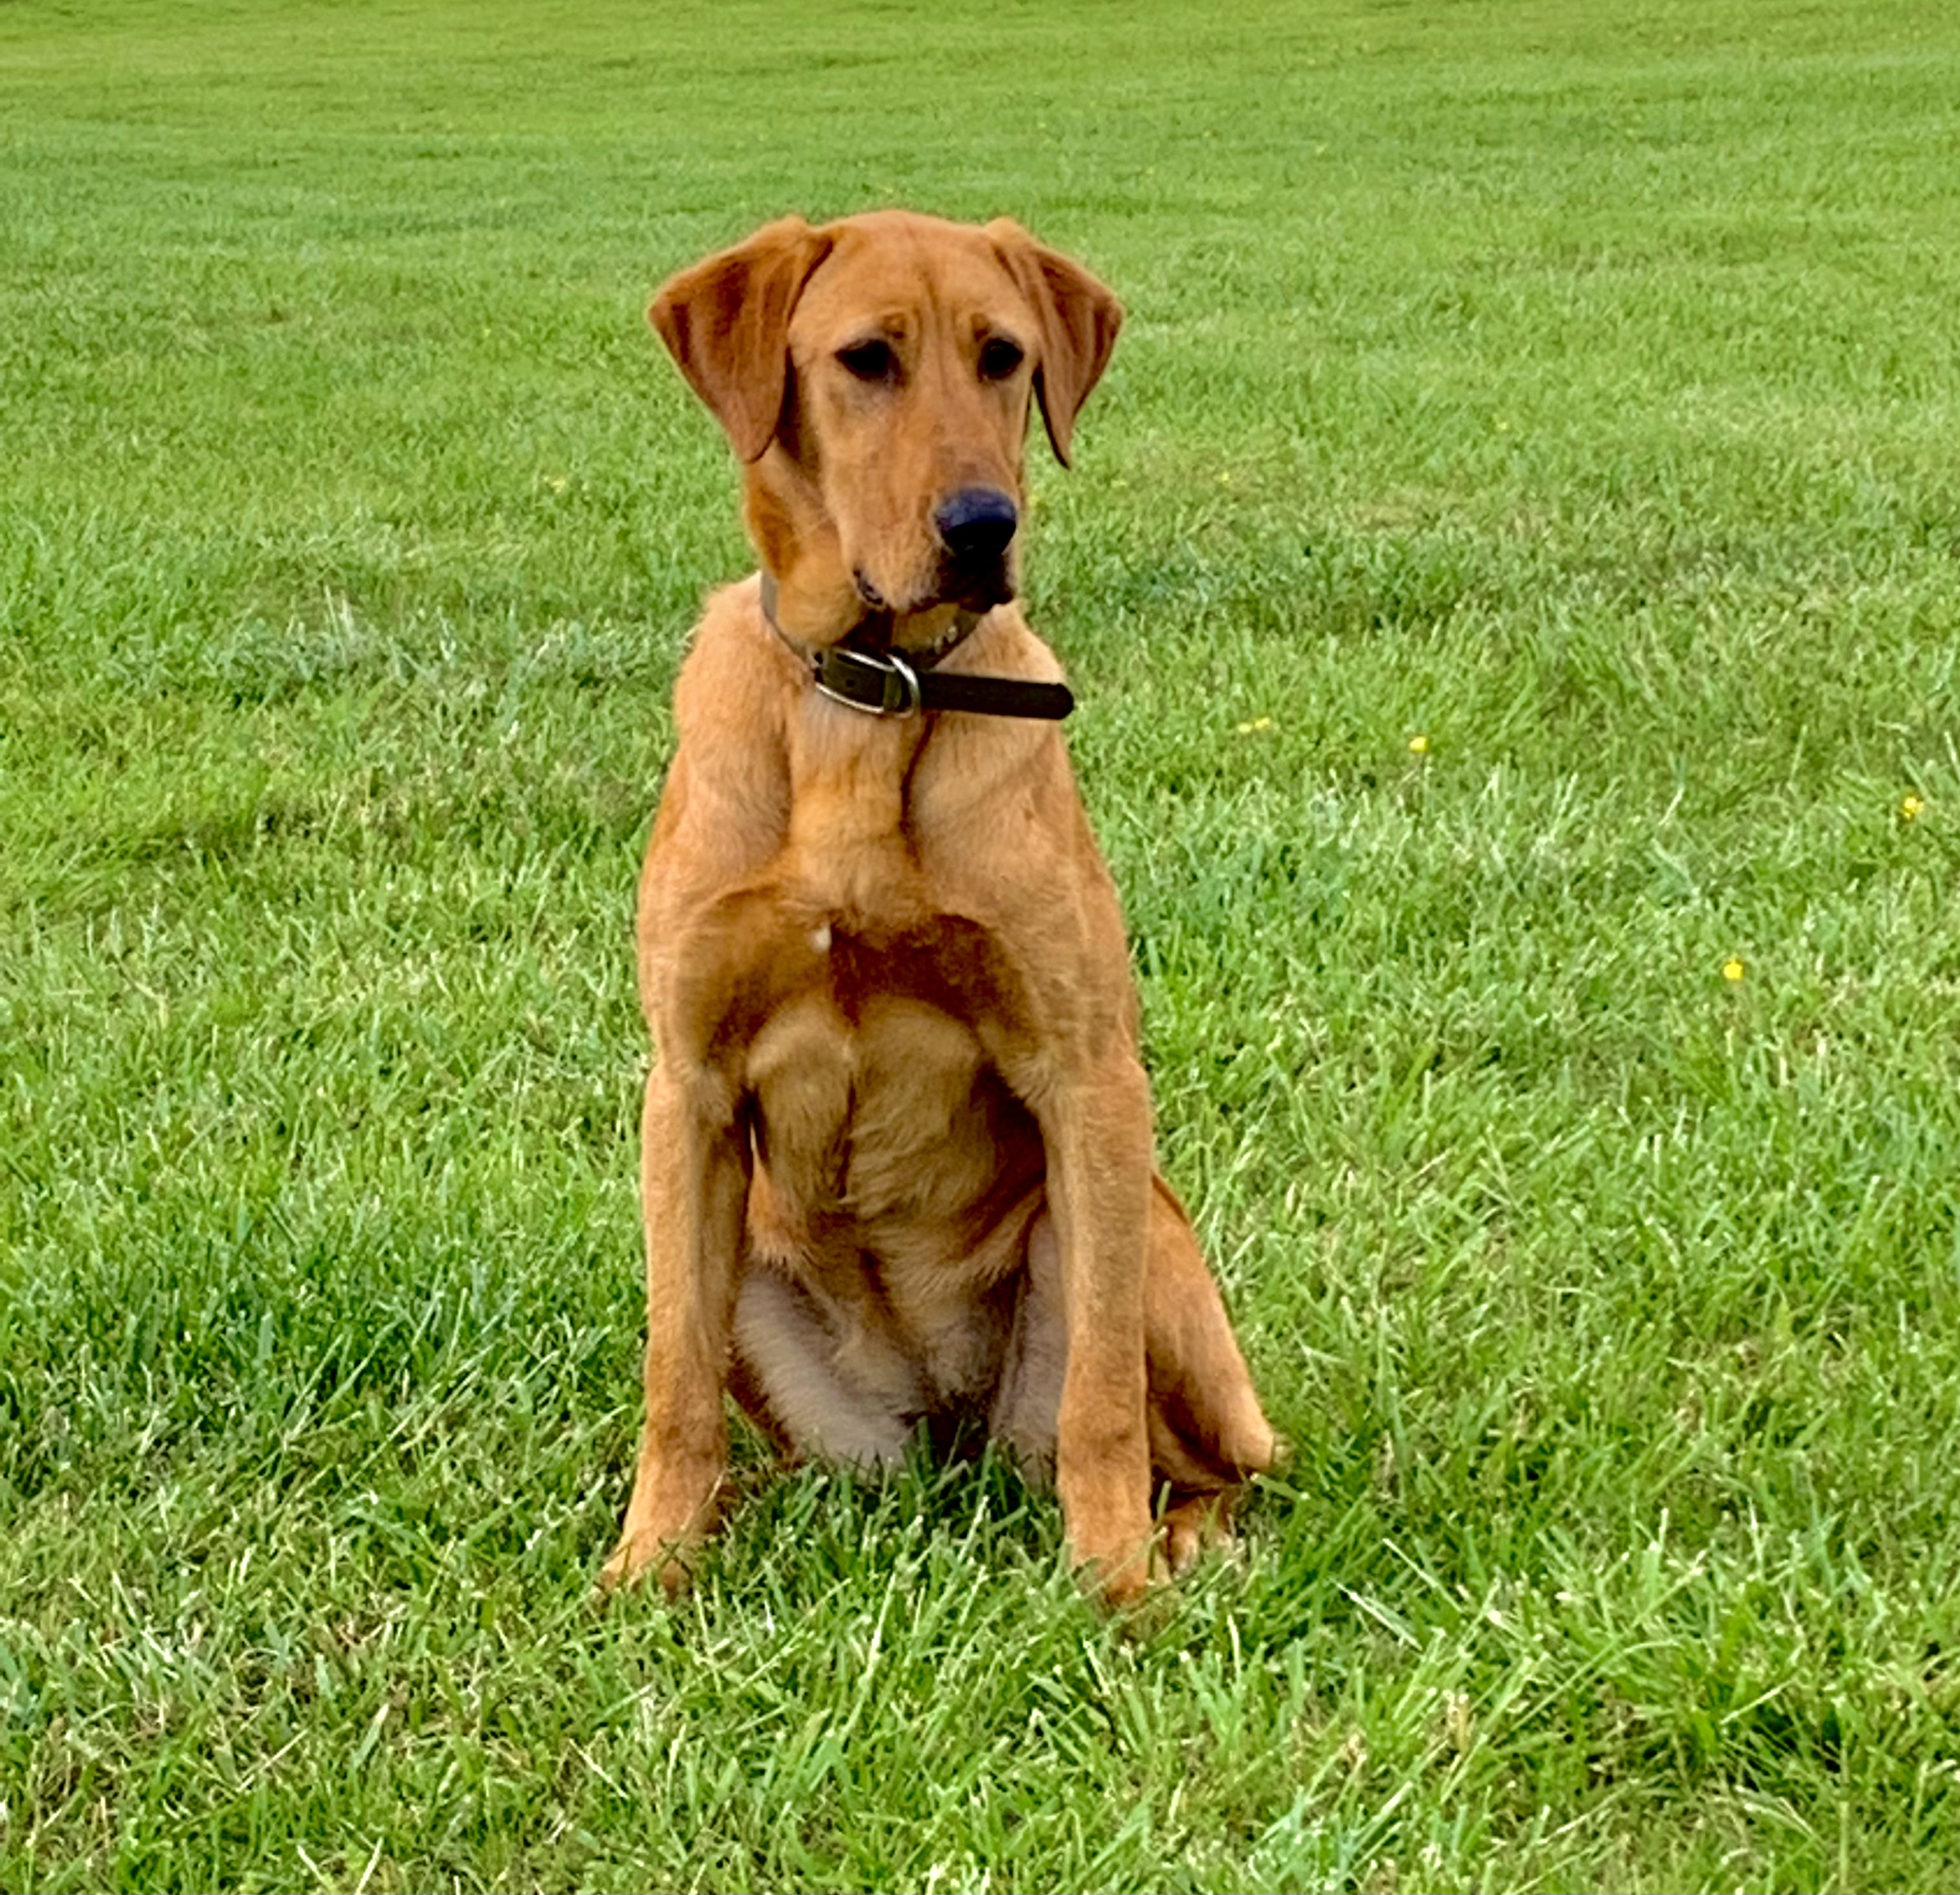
[956, 582]
[976, 591]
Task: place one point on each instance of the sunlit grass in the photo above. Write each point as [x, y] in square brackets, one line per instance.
[1510, 579]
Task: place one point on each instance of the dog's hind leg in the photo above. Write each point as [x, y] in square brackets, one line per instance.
[1207, 1432]
[1205, 1414]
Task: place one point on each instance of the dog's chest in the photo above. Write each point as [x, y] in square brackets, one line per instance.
[874, 1093]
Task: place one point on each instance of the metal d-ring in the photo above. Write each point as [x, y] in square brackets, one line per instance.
[909, 701]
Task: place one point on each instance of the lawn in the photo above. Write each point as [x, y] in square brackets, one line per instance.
[1512, 580]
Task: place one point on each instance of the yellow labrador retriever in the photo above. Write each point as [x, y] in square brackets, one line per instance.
[896, 1153]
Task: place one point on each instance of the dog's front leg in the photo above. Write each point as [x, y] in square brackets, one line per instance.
[1096, 1130]
[693, 1182]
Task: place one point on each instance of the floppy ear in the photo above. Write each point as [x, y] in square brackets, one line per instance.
[726, 321]
[1079, 316]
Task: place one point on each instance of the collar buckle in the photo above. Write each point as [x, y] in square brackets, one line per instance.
[846, 677]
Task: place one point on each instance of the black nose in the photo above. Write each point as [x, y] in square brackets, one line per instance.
[975, 525]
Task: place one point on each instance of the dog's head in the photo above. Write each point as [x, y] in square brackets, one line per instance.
[875, 375]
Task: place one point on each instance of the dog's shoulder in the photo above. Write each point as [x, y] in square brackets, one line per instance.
[732, 680]
[725, 803]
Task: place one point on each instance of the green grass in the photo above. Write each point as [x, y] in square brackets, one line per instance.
[1576, 389]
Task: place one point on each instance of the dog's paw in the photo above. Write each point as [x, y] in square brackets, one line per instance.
[1116, 1580]
[639, 1556]
[1194, 1526]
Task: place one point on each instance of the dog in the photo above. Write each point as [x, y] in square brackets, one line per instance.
[896, 1150]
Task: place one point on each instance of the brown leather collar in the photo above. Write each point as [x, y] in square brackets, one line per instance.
[888, 682]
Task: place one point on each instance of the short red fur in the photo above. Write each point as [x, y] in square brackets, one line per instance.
[897, 1147]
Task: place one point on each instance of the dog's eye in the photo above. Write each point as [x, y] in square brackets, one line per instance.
[999, 358]
[871, 360]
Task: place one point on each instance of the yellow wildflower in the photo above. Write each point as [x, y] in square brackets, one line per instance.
[1731, 968]
[1419, 744]
[1255, 723]
[1910, 806]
